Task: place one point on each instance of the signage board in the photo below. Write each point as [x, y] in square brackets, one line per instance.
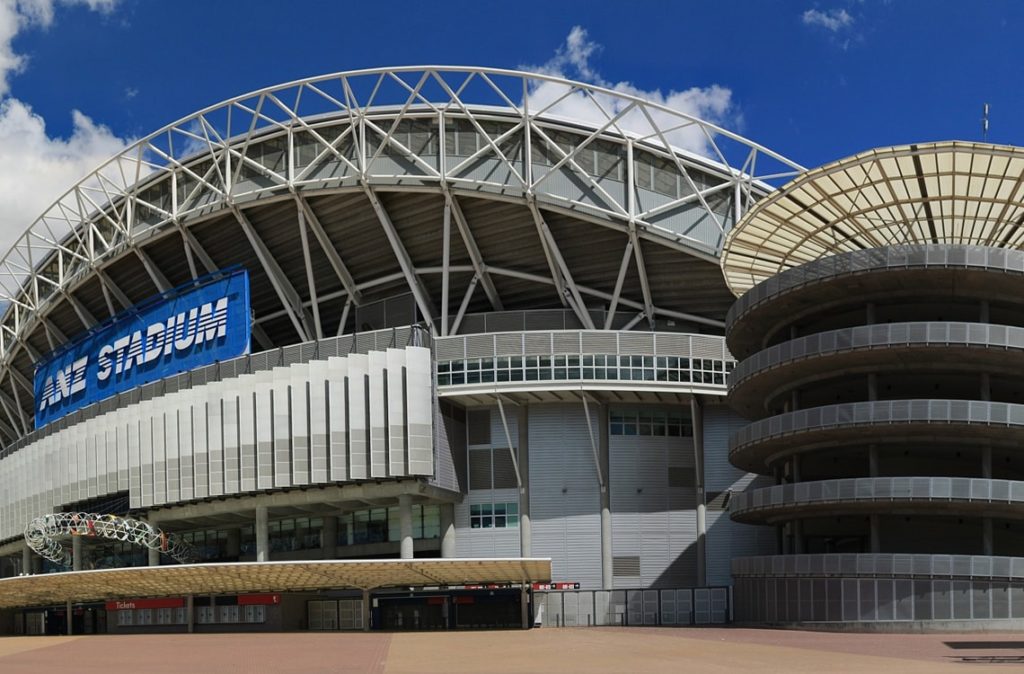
[129, 604]
[191, 326]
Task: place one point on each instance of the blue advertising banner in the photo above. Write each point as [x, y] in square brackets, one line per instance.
[191, 326]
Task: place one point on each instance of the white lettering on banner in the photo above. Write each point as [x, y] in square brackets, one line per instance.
[179, 332]
[64, 383]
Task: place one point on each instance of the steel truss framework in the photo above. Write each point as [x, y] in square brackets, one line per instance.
[44, 534]
[271, 144]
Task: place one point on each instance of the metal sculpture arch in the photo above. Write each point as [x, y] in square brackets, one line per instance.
[43, 535]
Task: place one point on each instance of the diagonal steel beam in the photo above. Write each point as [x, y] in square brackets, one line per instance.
[419, 292]
[282, 286]
[313, 222]
[310, 281]
[84, 315]
[159, 280]
[641, 270]
[560, 269]
[109, 284]
[619, 280]
[474, 252]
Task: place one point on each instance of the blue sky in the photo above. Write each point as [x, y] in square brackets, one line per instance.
[815, 81]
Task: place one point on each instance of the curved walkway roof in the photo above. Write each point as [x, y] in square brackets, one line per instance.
[948, 192]
[243, 577]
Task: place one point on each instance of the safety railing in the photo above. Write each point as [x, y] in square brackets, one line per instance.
[880, 564]
[886, 489]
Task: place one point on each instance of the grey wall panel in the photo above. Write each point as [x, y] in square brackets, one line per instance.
[146, 452]
[200, 443]
[319, 443]
[247, 433]
[132, 435]
[120, 423]
[338, 419]
[377, 382]
[281, 432]
[233, 441]
[186, 450]
[650, 518]
[719, 424]
[215, 432]
[449, 439]
[564, 494]
[264, 386]
[92, 468]
[158, 438]
[397, 429]
[485, 542]
[727, 540]
[172, 452]
[298, 418]
[419, 410]
[358, 418]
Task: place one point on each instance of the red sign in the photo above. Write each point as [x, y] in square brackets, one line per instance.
[556, 586]
[253, 599]
[129, 604]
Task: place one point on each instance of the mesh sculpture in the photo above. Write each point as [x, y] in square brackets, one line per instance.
[43, 535]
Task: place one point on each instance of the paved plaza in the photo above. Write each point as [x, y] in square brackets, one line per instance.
[546, 650]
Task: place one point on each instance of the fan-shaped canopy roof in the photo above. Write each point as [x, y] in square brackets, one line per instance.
[948, 192]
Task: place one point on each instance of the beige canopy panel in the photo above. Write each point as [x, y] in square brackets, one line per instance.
[242, 577]
[949, 192]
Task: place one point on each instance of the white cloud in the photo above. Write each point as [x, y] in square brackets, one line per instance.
[572, 60]
[37, 168]
[831, 19]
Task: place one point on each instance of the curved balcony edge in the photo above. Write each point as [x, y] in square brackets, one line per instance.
[951, 496]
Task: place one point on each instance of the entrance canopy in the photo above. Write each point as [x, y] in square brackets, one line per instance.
[243, 577]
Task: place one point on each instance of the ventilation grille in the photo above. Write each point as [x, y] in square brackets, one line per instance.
[625, 566]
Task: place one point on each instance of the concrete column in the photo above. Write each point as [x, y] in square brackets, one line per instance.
[329, 537]
[76, 556]
[794, 468]
[405, 525]
[153, 557]
[986, 536]
[983, 312]
[873, 460]
[190, 620]
[986, 463]
[366, 610]
[233, 543]
[872, 386]
[780, 539]
[869, 313]
[68, 616]
[779, 472]
[524, 605]
[798, 537]
[448, 548]
[523, 456]
[262, 535]
[697, 418]
[876, 534]
[26, 560]
[986, 386]
[606, 499]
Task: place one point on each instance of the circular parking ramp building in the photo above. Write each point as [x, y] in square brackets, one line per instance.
[880, 340]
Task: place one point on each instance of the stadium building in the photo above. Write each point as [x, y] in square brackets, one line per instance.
[433, 348]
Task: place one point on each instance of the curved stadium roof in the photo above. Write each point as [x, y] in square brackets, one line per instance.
[557, 194]
[948, 192]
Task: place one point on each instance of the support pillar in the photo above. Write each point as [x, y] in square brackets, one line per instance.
[153, 557]
[873, 460]
[69, 617]
[448, 548]
[524, 605]
[405, 525]
[986, 536]
[794, 468]
[233, 544]
[76, 556]
[607, 577]
[523, 457]
[190, 620]
[26, 560]
[798, 537]
[366, 610]
[876, 534]
[329, 537]
[262, 535]
[697, 417]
